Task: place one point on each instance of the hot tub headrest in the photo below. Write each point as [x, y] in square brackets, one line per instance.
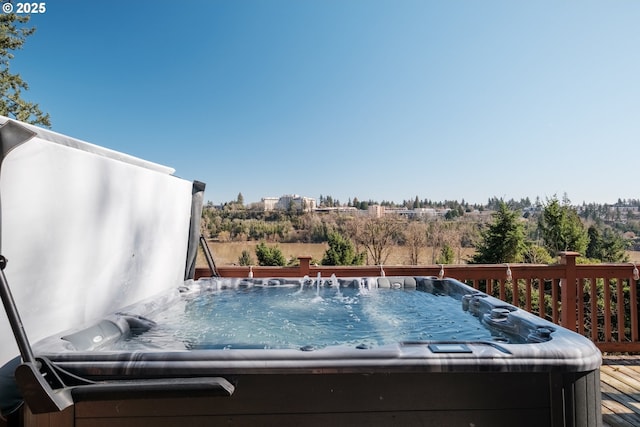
[98, 335]
[107, 331]
[397, 282]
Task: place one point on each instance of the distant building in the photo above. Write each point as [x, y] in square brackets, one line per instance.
[425, 212]
[289, 201]
[269, 203]
[376, 211]
[337, 209]
[394, 210]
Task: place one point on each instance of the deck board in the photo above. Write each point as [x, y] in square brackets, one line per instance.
[620, 386]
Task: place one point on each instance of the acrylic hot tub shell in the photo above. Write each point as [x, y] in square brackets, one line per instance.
[554, 382]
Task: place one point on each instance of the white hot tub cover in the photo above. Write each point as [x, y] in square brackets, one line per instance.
[85, 230]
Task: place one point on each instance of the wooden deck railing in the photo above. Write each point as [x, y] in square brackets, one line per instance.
[599, 301]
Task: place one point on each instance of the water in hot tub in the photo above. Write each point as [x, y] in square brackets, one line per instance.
[308, 317]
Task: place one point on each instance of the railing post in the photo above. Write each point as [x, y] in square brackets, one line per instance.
[304, 265]
[569, 291]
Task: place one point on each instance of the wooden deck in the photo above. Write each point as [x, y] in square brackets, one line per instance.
[620, 385]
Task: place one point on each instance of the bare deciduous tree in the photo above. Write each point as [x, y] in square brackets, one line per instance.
[415, 238]
[377, 235]
[444, 233]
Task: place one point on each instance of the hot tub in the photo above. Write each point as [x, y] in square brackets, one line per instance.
[102, 246]
[487, 364]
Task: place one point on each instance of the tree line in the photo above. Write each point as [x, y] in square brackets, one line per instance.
[506, 236]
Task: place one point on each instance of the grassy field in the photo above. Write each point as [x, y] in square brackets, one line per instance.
[228, 253]
[634, 256]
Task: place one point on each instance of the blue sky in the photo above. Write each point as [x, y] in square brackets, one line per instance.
[381, 100]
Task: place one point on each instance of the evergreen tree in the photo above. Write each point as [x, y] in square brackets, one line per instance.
[606, 246]
[245, 258]
[561, 228]
[447, 255]
[504, 240]
[594, 248]
[271, 256]
[341, 252]
[12, 37]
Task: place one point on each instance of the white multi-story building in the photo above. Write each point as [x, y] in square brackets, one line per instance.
[289, 201]
[269, 203]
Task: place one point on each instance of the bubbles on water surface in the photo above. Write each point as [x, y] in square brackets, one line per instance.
[285, 317]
